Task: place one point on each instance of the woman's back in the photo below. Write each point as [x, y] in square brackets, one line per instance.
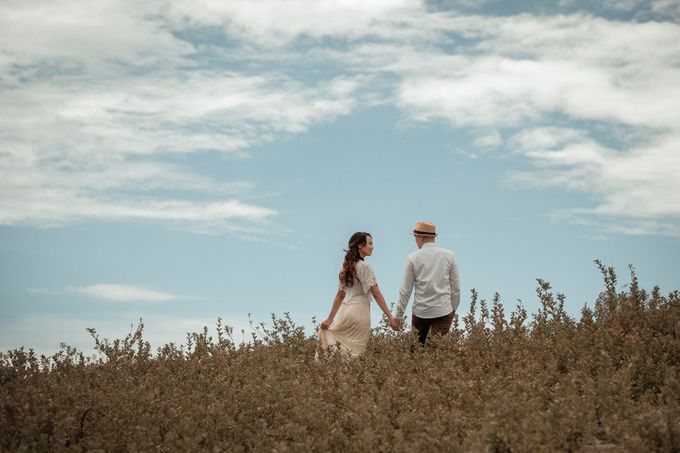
[360, 291]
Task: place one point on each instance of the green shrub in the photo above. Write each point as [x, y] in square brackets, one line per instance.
[546, 383]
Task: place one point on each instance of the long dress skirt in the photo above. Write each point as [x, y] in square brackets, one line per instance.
[350, 329]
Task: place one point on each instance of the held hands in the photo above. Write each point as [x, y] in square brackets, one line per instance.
[395, 324]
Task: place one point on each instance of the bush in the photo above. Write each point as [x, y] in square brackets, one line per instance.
[610, 379]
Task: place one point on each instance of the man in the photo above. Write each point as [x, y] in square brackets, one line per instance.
[434, 273]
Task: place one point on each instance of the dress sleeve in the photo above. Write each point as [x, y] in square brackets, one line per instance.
[366, 277]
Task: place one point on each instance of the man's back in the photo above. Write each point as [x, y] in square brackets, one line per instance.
[433, 272]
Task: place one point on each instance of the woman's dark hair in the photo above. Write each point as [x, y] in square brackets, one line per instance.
[348, 274]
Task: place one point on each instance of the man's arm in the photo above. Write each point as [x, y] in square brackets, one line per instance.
[405, 290]
[454, 281]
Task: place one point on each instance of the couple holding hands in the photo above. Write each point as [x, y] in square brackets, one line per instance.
[431, 270]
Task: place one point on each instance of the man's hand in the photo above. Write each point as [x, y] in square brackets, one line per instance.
[395, 324]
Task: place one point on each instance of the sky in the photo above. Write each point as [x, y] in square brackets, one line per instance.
[180, 161]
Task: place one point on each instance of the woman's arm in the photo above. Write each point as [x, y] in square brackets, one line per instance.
[380, 300]
[334, 309]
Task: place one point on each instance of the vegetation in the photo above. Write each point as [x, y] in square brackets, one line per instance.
[609, 380]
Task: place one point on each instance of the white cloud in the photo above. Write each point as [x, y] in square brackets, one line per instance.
[124, 293]
[637, 185]
[488, 139]
[99, 156]
[669, 8]
[483, 91]
[605, 79]
[642, 9]
[84, 137]
[278, 22]
[62, 208]
[546, 137]
[69, 34]
[117, 87]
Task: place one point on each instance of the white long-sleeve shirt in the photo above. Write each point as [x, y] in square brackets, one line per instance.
[434, 274]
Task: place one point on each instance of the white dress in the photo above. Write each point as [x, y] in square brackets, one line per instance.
[351, 327]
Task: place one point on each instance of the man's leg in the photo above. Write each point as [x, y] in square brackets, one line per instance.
[422, 326]
[442, 325]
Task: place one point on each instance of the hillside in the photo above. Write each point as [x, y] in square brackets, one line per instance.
[544, 382]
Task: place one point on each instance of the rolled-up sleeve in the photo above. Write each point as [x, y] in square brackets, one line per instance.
[406, 289]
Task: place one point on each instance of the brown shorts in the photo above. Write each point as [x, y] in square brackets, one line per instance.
[438, 326]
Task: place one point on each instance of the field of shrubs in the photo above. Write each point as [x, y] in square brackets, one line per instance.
[608, 380]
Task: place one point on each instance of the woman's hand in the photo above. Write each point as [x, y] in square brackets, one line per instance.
[326, 324]
[395, 324]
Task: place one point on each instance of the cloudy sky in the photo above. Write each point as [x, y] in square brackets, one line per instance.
[179, 161]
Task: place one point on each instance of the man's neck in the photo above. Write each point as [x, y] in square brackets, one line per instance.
[427, 243]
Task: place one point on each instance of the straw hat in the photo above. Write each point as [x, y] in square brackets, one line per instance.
[425, 229]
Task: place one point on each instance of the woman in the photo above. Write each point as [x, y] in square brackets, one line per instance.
[351, 329]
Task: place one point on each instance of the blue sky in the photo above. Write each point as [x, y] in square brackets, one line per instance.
[182, 161]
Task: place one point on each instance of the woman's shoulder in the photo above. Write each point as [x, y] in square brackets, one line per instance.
[363, 266]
